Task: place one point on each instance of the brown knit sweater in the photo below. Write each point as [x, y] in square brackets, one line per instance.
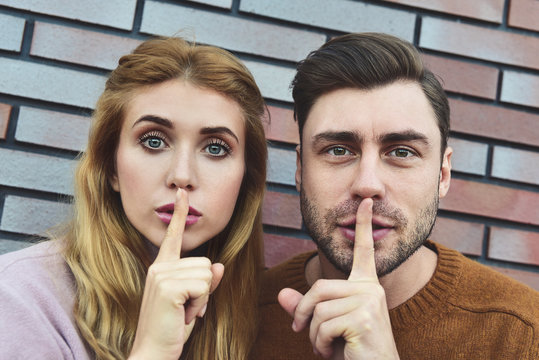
[466, 311]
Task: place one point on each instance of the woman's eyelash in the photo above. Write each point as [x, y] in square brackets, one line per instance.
[151, 134]
[220, 142]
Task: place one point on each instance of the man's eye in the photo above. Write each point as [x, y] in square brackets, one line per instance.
[401, 153]
[338, 151]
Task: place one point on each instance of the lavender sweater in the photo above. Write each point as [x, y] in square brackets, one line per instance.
[36, 306]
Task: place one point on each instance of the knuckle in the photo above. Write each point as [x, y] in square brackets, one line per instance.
[319, 285]
[154, 274]
[204, 262]
[324, 333]
[320, 310]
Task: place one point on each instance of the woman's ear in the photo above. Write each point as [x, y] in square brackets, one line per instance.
[445, 173]
[114, 183]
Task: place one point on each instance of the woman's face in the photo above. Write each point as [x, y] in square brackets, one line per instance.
[176, 135]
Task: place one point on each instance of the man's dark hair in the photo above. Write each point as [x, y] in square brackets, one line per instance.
[365, 61]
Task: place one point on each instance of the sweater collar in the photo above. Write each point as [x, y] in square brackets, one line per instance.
[432, 300]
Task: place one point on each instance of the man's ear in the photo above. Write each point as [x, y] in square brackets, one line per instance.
[445, 173]
[298, 167]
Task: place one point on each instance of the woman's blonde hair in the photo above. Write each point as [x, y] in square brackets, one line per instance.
[109, 258]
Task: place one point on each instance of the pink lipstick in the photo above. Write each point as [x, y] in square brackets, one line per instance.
[165, 214]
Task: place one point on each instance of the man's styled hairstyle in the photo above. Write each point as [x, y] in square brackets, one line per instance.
[365, 61]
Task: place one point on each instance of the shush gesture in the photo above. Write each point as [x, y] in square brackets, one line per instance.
[347, 319]
[175, 294]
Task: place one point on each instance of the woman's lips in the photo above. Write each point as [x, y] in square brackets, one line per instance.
[165, 214]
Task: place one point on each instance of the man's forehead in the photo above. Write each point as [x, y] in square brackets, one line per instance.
[396, 108]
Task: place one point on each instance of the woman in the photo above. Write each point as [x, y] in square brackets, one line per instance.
[175, 167]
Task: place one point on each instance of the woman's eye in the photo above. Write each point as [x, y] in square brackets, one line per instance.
[217, 148]
[401, 153]
[152, 141]
[338, 151]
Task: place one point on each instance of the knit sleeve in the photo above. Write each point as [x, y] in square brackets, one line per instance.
[25, 331]
[36, 306]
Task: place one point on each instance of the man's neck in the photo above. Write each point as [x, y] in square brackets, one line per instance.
[400, 285]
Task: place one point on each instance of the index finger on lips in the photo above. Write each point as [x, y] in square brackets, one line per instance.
[172, 243]
[363, 265]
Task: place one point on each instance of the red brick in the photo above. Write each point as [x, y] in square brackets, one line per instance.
[492, 201]
[494, 122]
[38, 126]
[480, 43]
[278, 248]
[464, 77]
[526, 277]
[5, 111]
[514, 245]
[463, 236]
[524, 14]
[79, 46]
[281, 209]
[514, 164]
[282, 126]
[488, 10]
[520, 88]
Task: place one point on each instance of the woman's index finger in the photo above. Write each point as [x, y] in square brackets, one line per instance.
[171, 246]
[363, 265]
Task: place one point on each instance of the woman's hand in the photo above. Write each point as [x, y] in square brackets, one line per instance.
[176, 292]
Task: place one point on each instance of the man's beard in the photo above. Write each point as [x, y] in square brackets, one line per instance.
[410, 236]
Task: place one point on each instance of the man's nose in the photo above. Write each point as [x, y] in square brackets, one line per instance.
[368, 182]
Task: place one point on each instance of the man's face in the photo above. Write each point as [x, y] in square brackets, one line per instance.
[382, 144]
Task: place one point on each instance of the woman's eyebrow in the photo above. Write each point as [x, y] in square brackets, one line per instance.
[155, 119]
[218, 130]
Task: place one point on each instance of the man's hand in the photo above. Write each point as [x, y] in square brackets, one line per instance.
[347, 319]
[176, 292]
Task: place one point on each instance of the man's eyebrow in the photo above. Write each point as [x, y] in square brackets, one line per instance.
[155, 119]
[337, 136]
[218, 130]
[407, 135]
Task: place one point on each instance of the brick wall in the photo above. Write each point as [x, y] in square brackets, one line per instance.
[55, 55]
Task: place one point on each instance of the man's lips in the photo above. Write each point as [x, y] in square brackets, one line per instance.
[380, 228]
[165, 214]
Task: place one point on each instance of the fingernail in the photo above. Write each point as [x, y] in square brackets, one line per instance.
[294, 326]
[179, 193]
[316, 352]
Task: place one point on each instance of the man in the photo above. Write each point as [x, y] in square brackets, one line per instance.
[372, 164]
